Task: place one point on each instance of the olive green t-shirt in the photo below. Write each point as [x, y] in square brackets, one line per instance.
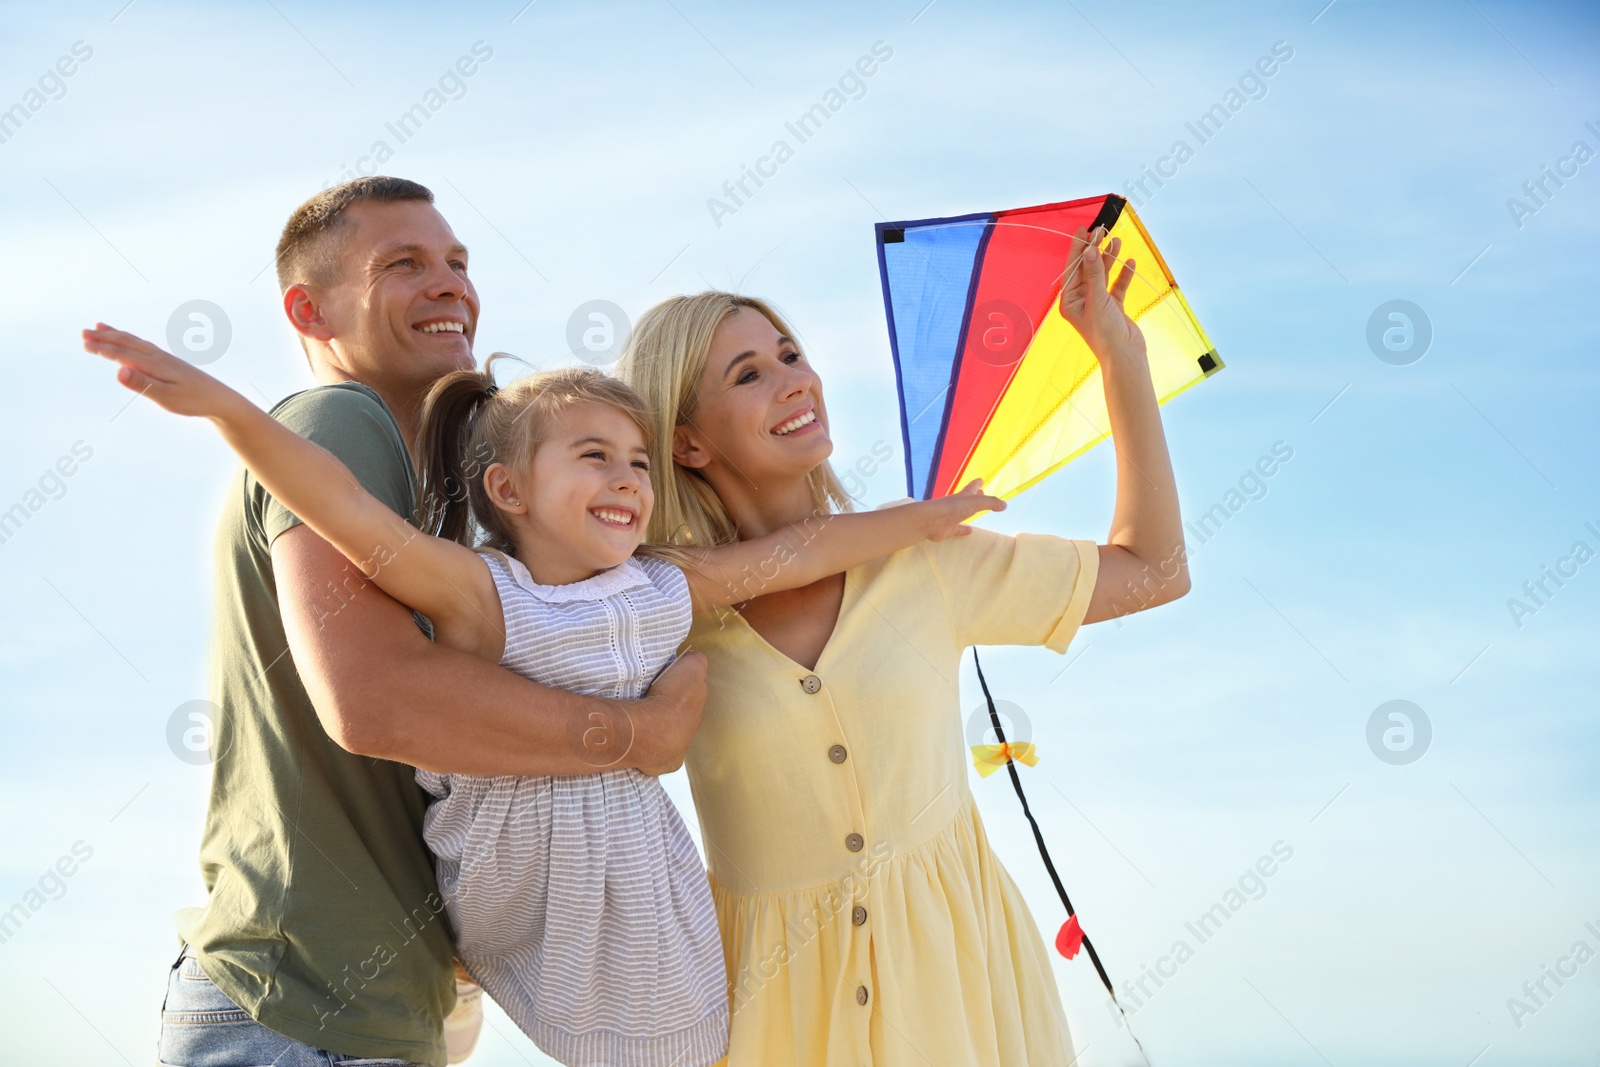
[323, 920]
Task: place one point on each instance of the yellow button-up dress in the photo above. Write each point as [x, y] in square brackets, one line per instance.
[864, 918]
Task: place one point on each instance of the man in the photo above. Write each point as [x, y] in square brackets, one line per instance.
[324, 929]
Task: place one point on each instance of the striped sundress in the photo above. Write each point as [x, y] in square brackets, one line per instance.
[579, 902]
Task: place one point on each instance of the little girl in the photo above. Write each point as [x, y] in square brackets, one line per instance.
[579, 902]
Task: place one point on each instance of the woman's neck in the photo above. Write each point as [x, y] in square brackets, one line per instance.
[760, 510]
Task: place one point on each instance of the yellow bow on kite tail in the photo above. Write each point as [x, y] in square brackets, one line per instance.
[990, 758]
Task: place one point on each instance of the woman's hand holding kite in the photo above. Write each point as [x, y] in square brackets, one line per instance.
[1094, 310]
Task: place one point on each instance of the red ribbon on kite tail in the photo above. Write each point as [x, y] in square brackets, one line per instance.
[1071, 936]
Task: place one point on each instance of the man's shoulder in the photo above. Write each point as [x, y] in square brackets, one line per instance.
[353, 424]
[335, 404]
[348, 419]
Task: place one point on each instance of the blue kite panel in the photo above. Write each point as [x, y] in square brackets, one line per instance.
[928, 274]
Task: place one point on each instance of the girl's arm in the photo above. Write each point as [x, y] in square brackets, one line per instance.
[1144, 562]
[445, 581]
[825, 544]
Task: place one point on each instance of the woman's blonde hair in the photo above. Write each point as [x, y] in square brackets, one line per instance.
[469, 423]
[664, 360]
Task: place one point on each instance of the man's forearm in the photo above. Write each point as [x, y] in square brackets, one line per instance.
[452, 712]
[381, 688]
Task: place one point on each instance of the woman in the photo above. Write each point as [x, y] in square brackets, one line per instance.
[863, 916]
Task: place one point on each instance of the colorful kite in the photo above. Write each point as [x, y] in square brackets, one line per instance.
[994, 383]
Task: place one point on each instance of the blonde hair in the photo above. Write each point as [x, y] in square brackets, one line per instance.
[664, 360]
[469, 423]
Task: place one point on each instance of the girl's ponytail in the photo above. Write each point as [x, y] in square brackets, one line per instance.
[448, 451]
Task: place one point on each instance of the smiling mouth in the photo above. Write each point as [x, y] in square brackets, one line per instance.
[615, 517]
[795, 423]
[441, 327]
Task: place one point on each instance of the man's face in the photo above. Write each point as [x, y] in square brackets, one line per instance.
[402, 310]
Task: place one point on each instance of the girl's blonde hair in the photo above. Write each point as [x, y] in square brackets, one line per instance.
[469, 423]
[664, 360]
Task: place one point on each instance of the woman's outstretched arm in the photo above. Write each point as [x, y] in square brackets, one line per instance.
[1144, 561]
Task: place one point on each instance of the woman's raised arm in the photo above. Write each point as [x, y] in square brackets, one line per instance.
[1144, 561]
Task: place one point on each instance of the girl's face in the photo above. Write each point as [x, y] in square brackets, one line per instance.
[759, 410]
[589, 494]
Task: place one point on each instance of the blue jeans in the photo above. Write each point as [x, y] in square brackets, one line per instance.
[201, 1027]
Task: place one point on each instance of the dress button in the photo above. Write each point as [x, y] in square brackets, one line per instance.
[861, 994]
[811, 683]
[837, 753]
[858, 914]
[854, 842]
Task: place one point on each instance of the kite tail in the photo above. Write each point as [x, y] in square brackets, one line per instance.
[1038, 837]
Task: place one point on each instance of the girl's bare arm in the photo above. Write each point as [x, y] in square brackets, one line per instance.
[825, 544]
[445, 581]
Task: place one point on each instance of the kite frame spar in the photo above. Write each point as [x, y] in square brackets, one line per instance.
[1039, 435]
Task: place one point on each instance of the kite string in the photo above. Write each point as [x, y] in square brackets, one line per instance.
[1077, 259]
[1038, 837]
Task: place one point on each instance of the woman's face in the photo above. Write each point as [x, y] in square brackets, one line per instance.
[759, 415]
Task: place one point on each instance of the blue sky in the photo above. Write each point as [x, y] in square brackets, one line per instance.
[1178, 748]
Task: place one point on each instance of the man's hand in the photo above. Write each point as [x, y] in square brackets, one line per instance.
[670, 713]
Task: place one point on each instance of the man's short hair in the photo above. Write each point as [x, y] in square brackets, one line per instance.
[308, 251]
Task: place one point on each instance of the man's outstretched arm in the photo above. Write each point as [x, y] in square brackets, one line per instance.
[381, 688]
